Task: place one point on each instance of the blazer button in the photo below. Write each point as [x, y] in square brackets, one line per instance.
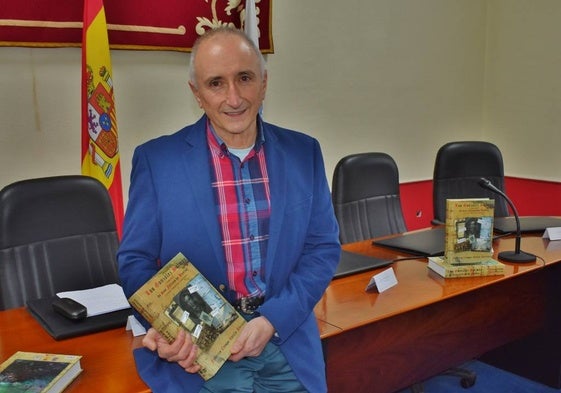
[222, 287]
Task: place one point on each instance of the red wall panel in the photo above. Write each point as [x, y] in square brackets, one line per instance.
[531, 198]
[416, 202]
[534, 197]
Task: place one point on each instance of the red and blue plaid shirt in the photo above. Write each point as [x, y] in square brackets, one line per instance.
[241, 189]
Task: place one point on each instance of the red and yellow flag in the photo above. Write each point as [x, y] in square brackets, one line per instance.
[100, 148]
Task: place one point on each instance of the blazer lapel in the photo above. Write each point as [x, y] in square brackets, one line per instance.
[276, 168]
[196, 169]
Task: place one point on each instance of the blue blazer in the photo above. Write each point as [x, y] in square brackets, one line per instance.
[172, 209]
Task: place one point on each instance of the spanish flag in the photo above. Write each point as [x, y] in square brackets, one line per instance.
[100, 148]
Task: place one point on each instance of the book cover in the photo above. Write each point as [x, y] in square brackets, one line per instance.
[180, 297]
[488, 267]
[469, 230]
[38, 372]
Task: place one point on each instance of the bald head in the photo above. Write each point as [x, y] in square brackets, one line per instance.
[229, 82]
[223, 31]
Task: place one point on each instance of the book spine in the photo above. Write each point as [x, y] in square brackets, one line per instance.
[473, 271]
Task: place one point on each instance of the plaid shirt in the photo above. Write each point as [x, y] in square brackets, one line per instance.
[241, 189]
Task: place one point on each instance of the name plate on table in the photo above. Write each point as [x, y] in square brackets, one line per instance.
[552, 233]
[382, 281]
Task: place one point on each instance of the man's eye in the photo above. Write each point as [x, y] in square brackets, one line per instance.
[245, 78]
[215, 84]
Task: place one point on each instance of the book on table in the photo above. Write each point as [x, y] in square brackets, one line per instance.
[468, 240]
[468, 234]
[489, 267]
[38, 372]
[178, 297]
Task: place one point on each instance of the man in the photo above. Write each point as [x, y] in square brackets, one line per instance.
[248, 204]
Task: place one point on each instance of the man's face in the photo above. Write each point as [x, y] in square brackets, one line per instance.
[229, 87]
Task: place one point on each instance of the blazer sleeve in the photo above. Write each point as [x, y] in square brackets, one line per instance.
[309, 251]
[138, 252]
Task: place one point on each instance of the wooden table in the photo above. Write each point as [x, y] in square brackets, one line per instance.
[426, 324]
[373, 342]
[106, 356]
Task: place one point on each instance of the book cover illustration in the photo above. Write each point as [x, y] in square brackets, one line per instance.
[180, 297]
[469, 230]
[489, 267]
[32, 372]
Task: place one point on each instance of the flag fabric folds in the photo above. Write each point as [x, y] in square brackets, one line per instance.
[100, 148]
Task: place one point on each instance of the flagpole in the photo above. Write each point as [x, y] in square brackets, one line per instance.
[251, 28]
[250, 25]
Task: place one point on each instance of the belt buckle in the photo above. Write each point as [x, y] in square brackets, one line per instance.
[247, 305]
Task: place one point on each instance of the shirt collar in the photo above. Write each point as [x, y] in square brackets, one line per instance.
[259, 140]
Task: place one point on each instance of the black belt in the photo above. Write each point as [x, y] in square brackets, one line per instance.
[248, 305]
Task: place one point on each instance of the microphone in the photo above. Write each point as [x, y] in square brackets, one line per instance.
[516, 255]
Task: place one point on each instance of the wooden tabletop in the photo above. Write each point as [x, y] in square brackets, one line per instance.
[346, 305]
[107, 360]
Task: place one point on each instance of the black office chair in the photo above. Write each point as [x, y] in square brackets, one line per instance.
[56, 234]
[365, 193]
[457, 170]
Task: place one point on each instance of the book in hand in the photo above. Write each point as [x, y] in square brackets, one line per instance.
[180, 297]
[488, 267]
[469, 230]
[38, 372]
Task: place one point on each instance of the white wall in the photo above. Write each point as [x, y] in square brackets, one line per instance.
[523, 88]
[394, 76]
[400, 76]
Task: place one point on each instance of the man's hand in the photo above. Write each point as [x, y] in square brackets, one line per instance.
[182, 350]
[253, 338]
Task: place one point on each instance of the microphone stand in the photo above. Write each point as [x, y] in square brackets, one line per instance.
[516, 256]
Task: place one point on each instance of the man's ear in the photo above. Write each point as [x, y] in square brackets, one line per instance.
[265, 77]
[264, 84]
[195, 92]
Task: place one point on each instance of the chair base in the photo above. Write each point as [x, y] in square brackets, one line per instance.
[467, 379]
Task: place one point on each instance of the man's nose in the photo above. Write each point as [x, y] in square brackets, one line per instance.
[233, 95]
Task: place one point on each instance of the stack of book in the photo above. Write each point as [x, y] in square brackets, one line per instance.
[38, 372]
[468, 249]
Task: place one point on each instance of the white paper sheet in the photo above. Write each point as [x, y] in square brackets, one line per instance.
[100, 300]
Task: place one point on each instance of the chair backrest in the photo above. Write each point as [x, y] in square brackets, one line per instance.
[366, 199]
[56, 234]
[458, 168]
